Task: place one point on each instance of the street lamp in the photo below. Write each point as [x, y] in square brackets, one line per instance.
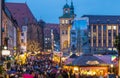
[6, 53]
[111, 67]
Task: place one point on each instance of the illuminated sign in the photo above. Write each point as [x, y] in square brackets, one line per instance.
[113, 58]
[5, 52]
[92, 62]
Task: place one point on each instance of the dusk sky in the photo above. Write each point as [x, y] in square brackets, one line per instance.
[50, 10]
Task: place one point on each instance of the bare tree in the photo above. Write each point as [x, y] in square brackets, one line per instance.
[33, 46]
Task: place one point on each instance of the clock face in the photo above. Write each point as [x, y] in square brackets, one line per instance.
[66, 11]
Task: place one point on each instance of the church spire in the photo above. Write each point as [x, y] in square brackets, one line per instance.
[66, 1]
[72, 7]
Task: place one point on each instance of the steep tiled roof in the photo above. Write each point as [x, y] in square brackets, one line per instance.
[103, 19]
[21, 12]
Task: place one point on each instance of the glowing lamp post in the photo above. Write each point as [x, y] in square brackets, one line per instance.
[111, 68]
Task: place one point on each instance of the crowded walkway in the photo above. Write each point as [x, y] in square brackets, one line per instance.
[40, 66]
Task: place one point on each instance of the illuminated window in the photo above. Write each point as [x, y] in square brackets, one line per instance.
[109, 48]
[114, 27]
[45, 38]
[94, 34]
[66, 21]
[109, 27]
[114, 49]
[63, 21]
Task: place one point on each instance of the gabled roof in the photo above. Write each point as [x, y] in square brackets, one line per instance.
[21, 12]
[86, 60]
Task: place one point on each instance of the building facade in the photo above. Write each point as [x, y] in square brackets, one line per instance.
[51, 34]
[9, 31]
[65, 25]
[79, 36]
[24, 17]
[102, 33]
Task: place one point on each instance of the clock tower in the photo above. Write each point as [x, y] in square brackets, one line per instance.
[65, 25]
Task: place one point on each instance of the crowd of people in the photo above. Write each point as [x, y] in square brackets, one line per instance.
[40, 66]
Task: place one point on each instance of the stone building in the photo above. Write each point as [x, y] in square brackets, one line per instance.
[48, 37]
[103, 30]
[24, 17]
[9, 31]
[65, 26]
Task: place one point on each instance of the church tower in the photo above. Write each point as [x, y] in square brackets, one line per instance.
[65, 25]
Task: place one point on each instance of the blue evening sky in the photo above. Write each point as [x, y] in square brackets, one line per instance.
[50, 10]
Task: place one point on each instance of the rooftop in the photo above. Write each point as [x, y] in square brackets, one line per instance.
[103, 19]
[21, 12]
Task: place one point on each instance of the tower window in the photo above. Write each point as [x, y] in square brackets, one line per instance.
[63, 22]
[66, 11]
[66, 21]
